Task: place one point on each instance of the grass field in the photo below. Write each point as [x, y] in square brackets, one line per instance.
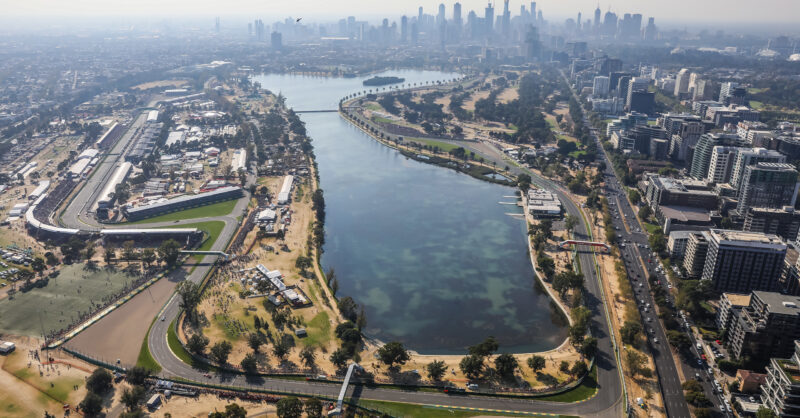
[651, 228]
[319, 331]
[396, 409]
[584, 391]
[444, 146]
[212, 228]
[208, 211]
[382, 120]
[60, 302]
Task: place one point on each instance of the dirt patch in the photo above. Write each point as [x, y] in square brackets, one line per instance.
[508, 95]
[160, 83]
[33, 385]
[205, 404]
[469, 105]
[119, 335]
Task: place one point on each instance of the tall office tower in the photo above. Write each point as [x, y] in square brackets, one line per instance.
[743, 261]
[696, 252]
[768, 185]
[705, 146]
[506, 19]
[539, 18]
[419, 15]
[726, 89]
[747, 157]
[458, 25]
[276, 40]
[682, 82]
[533, 11]
[636, 26]
[532, 44]
[610, 24]
[457, 14]
[404, 29]
[579, 21]
[597, 13]
[414, 33]
[440, 18]
[216, 24]
[650, 31]
[721, 164]
[488, 19]
[523, 15]
[600, 86]
[610, 65]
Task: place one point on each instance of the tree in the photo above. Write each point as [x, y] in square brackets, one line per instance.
[579, 369]
[392, 353]
[99, 381]
[92, 404]
[484, 349]
[303, 263]
[564, 367]
[634, 196]
[38, 265]
[657, 242]
[220, 351]
[339, 358]
[280, 349]
[506, 364]
[308, 356]
[148, 257]
[436, 370]
[254, 341]
[197, 343]
[169, 251]
[588, 347]
[524, 182]
[128, 250]
[630, 332]
[249, 363]
[313, 408]
[132, 397]
[679, 340]
[109, 254]
[645, 212]
[570, 222]
[232, 410]
[635, 362]
[189, 292]
[536, 363]
[89, 251]
[764, 412]
[290, 407]
[136, 375]
[471, 366]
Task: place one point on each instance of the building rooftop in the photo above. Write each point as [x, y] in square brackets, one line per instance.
[738, 299]
[749, 239]
[778, 303]
[685, 213]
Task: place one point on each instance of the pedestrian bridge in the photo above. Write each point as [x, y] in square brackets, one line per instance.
[223, 254]
[567, 243]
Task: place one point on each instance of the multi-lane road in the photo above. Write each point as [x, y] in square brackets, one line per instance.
[641, 264]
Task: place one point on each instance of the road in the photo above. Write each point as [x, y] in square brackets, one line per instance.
[607, 402]
[640, 264]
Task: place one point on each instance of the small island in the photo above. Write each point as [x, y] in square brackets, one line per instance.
[383, 81]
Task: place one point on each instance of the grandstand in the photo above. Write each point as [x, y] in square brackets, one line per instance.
[110, 136]
[286, 190]
[107, 196]
[183, 202]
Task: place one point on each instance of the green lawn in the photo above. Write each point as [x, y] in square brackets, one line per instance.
[208, 211]
[444, 146]
[755, 104]
[651, 228]
[382, 120]
[319, 330]
[577, 154]
[396, 409]
[146, 359]
[552, 122]
[212, 228]
[584, 391]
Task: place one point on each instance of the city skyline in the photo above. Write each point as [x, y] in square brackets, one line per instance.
[709, 11]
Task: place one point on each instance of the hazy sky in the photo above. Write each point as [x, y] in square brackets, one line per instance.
[754, 11]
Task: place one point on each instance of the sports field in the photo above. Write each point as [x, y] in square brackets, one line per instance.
[207, 211]
[74, 291]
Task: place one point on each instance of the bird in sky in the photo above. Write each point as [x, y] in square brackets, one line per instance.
[298, 20]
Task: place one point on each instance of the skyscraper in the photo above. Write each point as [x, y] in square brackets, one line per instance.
[682, 82]
[767, 185]
[597, 13]
[216, 24]
[440, 18]
[404, 29]
[457, 14]
[610, 24]
[488, 19]
[650, 32]
[506, 19]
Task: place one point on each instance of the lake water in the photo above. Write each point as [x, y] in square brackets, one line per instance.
[430, 253]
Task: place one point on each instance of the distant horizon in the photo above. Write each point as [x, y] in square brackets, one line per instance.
[672, 13]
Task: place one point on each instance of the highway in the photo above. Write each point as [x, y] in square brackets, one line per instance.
[640, 264]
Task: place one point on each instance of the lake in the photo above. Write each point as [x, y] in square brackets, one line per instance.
[438, 263]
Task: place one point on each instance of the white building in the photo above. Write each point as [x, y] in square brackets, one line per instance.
[600, 86]
[543, 204]
[286, 190]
